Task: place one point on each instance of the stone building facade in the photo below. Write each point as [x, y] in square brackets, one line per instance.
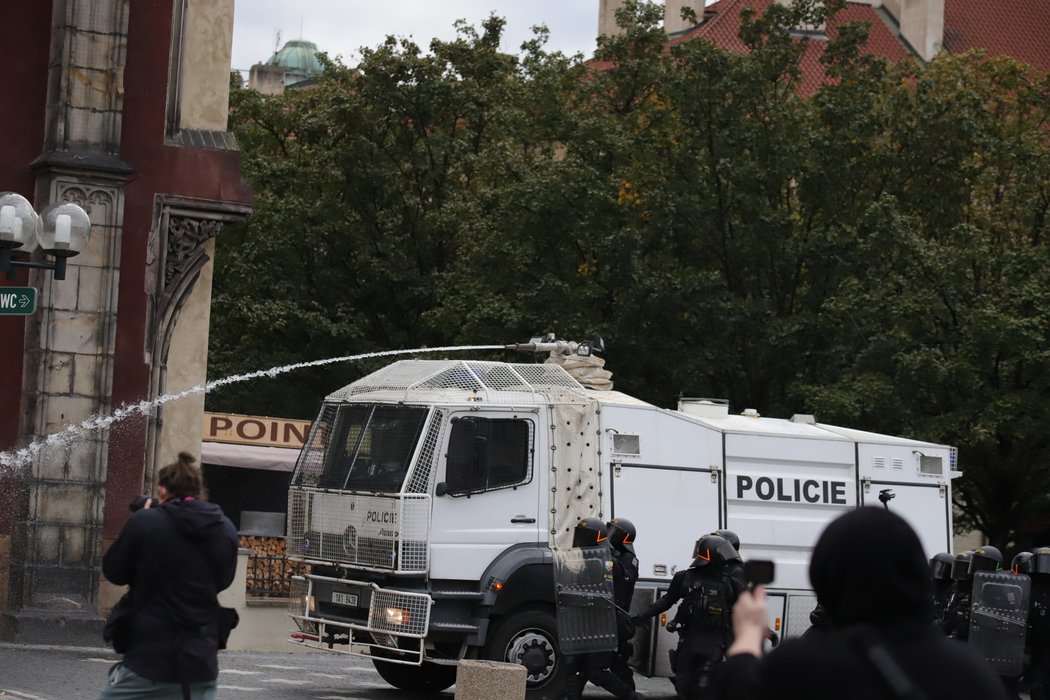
[122, 108]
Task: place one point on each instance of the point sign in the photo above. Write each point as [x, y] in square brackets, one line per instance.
[17, 301]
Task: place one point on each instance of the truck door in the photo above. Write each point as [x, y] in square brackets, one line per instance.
[924, 506]
[487, 493]
[913, 480]
[653, 497]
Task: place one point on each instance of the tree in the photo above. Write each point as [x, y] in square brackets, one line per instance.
[941, 329]
[355, 186]
[874, 252]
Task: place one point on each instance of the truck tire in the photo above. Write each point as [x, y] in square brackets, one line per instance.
[529, 636]
[428, 678]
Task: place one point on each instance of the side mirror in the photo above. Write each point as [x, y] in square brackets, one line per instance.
[441, 489]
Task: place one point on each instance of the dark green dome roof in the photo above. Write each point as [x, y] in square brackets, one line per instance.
[299, 60]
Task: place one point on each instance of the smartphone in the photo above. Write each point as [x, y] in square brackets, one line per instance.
[759, 572]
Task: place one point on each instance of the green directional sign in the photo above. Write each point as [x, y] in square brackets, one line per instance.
[17, 301]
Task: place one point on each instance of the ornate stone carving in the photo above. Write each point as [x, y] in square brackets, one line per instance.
[186, 236]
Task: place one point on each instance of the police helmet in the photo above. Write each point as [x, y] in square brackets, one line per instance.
[622, 533]
[1041, 561]
[961, 566]
[712, 549]
[941, 566]
[590, 532]
[1022, 563]
[730, 537]
[986, 558]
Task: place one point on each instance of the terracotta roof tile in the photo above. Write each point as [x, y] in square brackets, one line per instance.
[1018, 28]
[723, 28]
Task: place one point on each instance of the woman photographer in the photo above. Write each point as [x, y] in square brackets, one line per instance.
[177, 552]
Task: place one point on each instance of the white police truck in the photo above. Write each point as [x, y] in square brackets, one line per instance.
[430, 495]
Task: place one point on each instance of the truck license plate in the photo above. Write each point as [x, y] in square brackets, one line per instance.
[344, 598]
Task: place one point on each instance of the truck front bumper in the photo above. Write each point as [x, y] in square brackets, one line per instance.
[393, 626]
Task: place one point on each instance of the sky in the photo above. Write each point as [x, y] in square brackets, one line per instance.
[341, 27]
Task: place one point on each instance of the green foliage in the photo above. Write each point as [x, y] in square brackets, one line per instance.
[874, 252]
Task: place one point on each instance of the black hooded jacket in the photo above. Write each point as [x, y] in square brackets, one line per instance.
[869, 571]
[176, 558]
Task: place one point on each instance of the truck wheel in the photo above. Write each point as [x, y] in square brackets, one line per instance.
[428, 678]
[530, 637]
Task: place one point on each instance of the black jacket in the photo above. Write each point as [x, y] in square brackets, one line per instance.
[715, 579]
[176, 558]
[869, 571]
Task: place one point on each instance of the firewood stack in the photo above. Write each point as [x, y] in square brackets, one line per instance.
[269, 571]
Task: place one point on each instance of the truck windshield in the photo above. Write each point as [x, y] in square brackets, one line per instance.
[370, 447]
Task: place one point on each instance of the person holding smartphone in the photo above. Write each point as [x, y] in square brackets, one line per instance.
[872, 576]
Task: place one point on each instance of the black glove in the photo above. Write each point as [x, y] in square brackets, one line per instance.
[774, 639]
[672, 626]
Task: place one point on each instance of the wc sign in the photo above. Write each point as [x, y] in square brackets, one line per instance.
[17, 301]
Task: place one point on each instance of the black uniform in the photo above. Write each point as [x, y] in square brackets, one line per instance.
[941, 565]
[703, 623]
[595, 667]
[625, 575]
[956, 624]
[941, 590]
[1038, 675]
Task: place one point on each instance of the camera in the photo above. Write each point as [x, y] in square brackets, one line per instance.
[138, 503]
[759, 572]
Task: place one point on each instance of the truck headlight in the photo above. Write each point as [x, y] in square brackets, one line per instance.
[395, 616]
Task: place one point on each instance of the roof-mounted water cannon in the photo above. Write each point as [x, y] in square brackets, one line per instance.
[548, 343]
[578, 359]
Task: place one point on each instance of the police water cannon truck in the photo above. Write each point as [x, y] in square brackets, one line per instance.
[431, 498]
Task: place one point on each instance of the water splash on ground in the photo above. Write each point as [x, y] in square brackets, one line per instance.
[16, 458]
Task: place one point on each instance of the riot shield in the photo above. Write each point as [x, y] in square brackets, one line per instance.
[583, 595]
[998, 619]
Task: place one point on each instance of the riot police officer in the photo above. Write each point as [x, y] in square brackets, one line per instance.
[988, 558]
[595, 666]
[703, 622]
[1039, 625]
[941, 573]
[1021, 564]
[735, 565]
[956, 621]
[622, 533]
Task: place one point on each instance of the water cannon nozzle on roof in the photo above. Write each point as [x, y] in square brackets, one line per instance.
[548, 343]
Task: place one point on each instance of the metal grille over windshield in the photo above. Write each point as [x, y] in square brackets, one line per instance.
[361, 447]
[494, 382]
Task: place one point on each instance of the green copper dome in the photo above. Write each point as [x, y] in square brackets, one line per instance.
[299, 60]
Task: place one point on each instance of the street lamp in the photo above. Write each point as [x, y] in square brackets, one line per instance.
[61, 231]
